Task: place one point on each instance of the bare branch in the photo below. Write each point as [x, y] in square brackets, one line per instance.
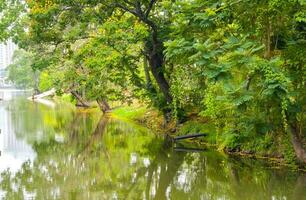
[126, 9]
[139, 10]
[138, 13]
[129, 3]
[151, 4]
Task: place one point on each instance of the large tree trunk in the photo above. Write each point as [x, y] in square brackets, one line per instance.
[80, 101]
[154, 51]
[156, 61]
[154, 48]
[149, 85]
[104, 106]
[267, 40]
[300, 152]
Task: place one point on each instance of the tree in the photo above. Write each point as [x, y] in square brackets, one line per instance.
[238, 63]
[9, 18]
[50, 19]
[21, 72]
[242, 67]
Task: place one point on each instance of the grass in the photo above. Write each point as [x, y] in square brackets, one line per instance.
[67, 98]
[130, 113]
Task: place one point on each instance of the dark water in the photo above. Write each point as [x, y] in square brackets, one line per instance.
[57, 152]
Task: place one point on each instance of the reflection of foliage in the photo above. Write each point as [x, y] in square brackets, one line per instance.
[53, 158]
[93, 164]
[37, 121]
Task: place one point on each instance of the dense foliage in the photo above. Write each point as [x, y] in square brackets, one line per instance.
[240, 64]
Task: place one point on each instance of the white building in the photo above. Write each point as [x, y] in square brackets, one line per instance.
[6, 53]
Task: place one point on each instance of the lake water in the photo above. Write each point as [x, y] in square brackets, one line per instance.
[54, 151]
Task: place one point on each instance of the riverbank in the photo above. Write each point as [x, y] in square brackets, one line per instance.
[276, 149]
[93, 156]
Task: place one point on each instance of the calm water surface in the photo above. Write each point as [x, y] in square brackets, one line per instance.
[53, 151]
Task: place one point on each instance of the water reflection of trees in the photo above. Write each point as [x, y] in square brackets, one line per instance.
[111, 159]
[33, 121]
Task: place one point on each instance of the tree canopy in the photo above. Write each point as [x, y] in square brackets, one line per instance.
[240, 64]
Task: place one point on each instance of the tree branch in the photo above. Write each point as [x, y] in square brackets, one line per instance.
[129, 3]
[127, 9]
[139, 10]
[149, 8]
[248, 82]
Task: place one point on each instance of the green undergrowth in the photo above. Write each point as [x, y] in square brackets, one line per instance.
[191, 127]
[274, 147]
